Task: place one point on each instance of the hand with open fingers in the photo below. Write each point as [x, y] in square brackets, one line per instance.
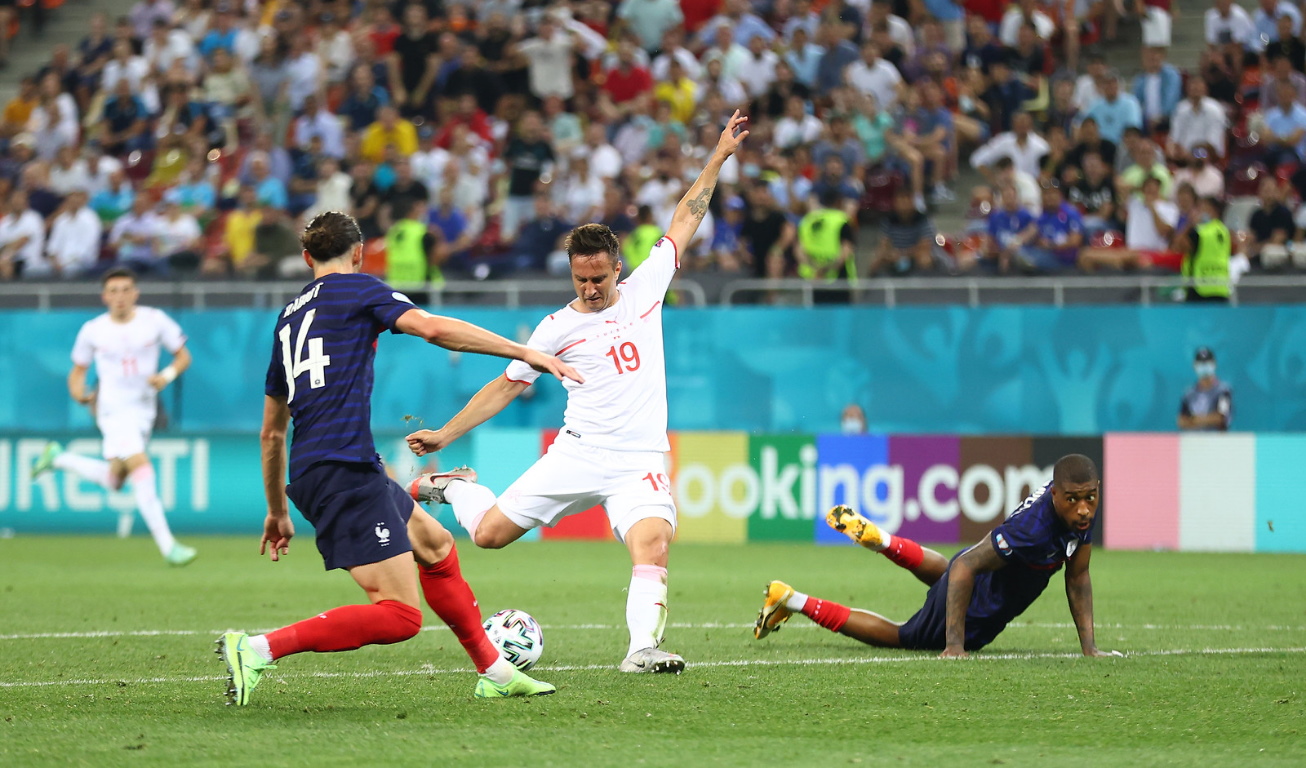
[954, 653]
[550, 364]
[425, 441]
[1096, 653]
[277, 531]
[734, 134]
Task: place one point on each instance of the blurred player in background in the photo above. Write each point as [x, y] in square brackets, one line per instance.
[124, 344]
[611, 450]
[973, 597]
[321, 375]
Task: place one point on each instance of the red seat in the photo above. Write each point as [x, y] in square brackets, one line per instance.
[1244, 181]
[881, 184]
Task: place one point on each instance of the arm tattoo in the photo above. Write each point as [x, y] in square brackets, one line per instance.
[698, 206]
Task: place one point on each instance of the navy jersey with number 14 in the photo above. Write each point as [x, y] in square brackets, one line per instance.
[322, 353]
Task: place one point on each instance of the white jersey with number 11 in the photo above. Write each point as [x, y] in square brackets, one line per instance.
[622, 406]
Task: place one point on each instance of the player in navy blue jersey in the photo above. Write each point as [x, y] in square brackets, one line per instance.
[321, 376]
[976, 595]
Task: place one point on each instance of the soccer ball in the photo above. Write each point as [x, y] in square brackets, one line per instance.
[518, 637]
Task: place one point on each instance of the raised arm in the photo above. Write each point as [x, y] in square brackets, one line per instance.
[483, 406]
[277, 527]
[693, 206]
[461, 336]
[980, 558]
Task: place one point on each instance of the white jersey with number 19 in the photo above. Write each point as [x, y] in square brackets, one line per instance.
[622, 406]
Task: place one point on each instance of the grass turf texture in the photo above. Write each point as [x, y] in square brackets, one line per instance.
[156, 699]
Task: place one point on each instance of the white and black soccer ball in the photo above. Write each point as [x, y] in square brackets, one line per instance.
[518, 637]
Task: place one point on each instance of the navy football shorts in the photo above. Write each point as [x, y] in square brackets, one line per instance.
[927, 630]
[360, 514]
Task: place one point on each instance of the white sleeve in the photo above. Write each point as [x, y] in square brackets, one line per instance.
[84, 347]
[655, 274]
[170, 334]
[542, 339]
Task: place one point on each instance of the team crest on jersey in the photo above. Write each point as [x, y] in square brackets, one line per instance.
[1071, 546]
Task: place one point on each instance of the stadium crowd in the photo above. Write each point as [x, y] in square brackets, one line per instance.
[194, 137]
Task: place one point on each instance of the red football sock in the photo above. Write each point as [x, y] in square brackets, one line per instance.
[347, 628]
[904, 552]
[451, 598]
[830, 615]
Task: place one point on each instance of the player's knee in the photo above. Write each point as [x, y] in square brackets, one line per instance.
[407, 620]
[490, 539]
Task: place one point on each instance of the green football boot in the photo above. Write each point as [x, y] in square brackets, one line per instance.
[521, 684]
[244, 666]
[45, 462]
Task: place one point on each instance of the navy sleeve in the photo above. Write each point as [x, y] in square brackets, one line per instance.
[383, 303]
[275, 383]
[1021, 538]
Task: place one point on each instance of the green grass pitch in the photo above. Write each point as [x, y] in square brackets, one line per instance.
[105, 660]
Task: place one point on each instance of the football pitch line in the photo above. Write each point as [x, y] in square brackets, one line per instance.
[673, 625]
[854, 660]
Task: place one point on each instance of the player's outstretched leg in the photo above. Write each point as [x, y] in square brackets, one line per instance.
[450, 596]
[97, 471]
[925, 564]
[782, 601]
[245, 666]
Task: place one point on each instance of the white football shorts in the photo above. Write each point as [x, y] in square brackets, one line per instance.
[572, 477]
[124, 434]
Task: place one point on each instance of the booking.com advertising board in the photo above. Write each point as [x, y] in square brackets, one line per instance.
[1232, 492]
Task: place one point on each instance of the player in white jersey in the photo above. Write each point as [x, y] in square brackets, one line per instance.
[611, 450]
[124, 345]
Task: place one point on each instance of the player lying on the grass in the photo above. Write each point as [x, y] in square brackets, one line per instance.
[123, 344]
[611, 449]
[321, 376]
[973, 597]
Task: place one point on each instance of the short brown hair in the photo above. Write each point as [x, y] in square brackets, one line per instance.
[330, 235]
[591, 240]
[117, 272]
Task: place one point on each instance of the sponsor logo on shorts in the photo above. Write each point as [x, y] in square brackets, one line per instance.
[382, 535]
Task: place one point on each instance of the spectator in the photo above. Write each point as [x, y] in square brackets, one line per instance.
[1285, 126]
[1005, 97]
[1198, 119]
[797, 126]
[268, 189]
[388, 131]
[539, 245]
[1206, 179]
[146, 13]
[549, 58]
[767, 233]
[116, 197]
[1130, 145]
[627, 80]
[801, 17]
[304, 74]
[1088, 85]
[69, 172]
[19, 109]
[739, 17]
[732, 55]
[277, 250]
[1289, 45]
[1115, 111]
[1227, 22]
[317, 122]
[1265, 21]
[836, 179]
[22, 240]
[564, 128]
[759, 69]
[649, 20]
[413, 62]
[852, 420]
[879, 15]
[906, 239]
[877, 77]
[230, 94]
[125, 124]
[1156, 21]
[332, 190]
[180, 239]
[195, 192]
[166, 45]
[1206, 259]
[679, 92]
[453, 226]
[1207, 406]
[1147, 164]
[335, 47]
[1021, 144]
[1271, 226]
[983, 48]
[363, 100]
[827, 241]
[73, 247]
[1022, 13]
[1060, 234]
[805, 57]
[1150, 221]
[237, 239]
[1005, 174]
[839, 54]
[1095, 195]
[673, 49]
[135, 238]
[125, 65]
[933, 135]
[1010, 229]
[528, 156]
[578, 194]
[1158, 89]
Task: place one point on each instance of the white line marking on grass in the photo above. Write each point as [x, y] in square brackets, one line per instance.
[674, 625]
[853, 660]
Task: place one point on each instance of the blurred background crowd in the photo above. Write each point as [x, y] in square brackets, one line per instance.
[192, 138]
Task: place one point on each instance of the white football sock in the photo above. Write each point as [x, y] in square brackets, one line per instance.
[646, 607]
[886, 541]
[470, 502]
[500, 671]
[85, 467]
[147, 501]
[796, 602]
[260, 645]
